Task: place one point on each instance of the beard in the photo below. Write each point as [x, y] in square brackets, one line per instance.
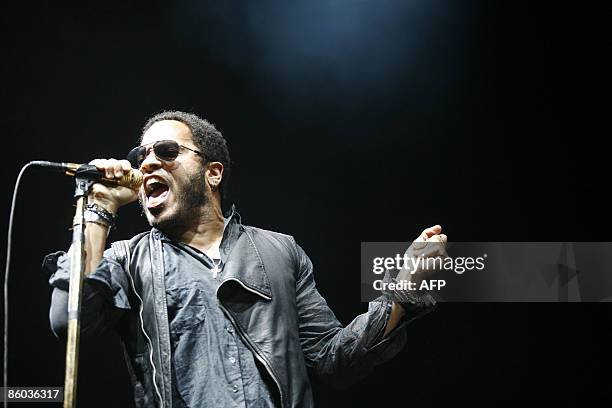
[190, 199]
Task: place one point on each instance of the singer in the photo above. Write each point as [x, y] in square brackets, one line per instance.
[212, 312]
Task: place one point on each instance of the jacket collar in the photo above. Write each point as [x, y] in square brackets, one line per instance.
[243, 262]
[231, 229]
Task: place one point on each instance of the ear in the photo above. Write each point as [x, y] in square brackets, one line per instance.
[214, 175]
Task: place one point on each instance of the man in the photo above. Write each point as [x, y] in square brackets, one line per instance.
[212, 312]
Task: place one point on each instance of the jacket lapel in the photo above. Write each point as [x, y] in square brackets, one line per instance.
[245, 266]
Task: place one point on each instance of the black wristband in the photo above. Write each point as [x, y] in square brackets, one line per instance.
[103, 213]
[414, 302]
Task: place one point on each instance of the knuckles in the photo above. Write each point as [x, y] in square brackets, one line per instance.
[112, 167]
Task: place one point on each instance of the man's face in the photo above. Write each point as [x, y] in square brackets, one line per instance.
[173, 193]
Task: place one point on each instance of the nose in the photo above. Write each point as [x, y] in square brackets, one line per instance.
[150, 162]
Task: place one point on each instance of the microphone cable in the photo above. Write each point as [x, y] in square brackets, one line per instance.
[6, 279]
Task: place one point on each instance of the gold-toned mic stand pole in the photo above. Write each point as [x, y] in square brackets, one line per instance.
[77, 269]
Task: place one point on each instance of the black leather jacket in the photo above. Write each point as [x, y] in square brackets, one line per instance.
[268, 292]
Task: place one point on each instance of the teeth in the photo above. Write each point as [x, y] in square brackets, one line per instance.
[152, 184]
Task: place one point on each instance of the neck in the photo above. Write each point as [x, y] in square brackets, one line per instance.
[206, 232]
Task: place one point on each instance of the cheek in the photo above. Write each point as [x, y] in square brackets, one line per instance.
[191, 175]
[173, 165]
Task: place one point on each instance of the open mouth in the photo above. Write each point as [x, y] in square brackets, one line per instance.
[156, 191]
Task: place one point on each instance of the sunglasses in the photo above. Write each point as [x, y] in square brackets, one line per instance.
[166, 150]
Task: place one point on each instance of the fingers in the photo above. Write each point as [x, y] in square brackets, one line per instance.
[428, 233]
[431, 231]
[438, 242]
[442, 238]
[433, 235]
[112, 168]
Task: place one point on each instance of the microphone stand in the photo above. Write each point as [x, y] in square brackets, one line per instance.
[77, 270]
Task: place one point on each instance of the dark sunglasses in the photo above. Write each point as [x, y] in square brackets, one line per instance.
[166, 150]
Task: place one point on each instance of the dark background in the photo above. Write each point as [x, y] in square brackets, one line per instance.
[347, 121]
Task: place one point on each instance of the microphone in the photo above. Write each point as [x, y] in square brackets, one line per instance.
[133, 179]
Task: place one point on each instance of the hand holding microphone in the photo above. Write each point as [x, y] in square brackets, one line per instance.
[121, 172]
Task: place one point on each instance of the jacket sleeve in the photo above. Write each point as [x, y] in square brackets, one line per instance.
[104, 297]
[340, 355]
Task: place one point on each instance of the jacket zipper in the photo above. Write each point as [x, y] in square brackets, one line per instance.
[164, 310]
[127, 249]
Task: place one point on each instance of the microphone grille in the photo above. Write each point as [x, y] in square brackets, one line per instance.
[133, 179]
